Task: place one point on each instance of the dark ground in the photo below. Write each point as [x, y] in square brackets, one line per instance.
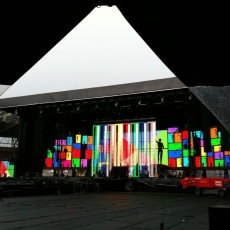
[109, 210]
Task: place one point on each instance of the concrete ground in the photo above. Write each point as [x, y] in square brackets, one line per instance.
[108, 210]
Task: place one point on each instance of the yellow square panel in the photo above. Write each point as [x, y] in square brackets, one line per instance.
[78, 138]
[68, 156]
[217, 148]
[179, 162]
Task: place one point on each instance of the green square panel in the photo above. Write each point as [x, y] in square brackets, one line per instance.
[204, 161]
[215, 141]
[174, 146]
[185, 153]
[76, 162]
[219, 163]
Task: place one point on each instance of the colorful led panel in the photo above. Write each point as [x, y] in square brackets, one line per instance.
[219, 155]
[215, 141]
[78, 138]
[75, 162]
[226, 153]
[185, 134]
[177, 137]
[217, 148]
[48, 162]
[88, 154]
[76, 153]
[66, 163]
[83, 162]
[84, 140]
[90, 140]
[127, 144]
[227, 161]
[69, 141]
[76, 146]
[68, 156]
[219, 163]
[204, 161]
[185, 161]
[173, 130]
[6, 169]
[49, 154]
[62, 155]
[60, 142]
[67, 147]
[213, 132]
[197, 162]
[210, 162]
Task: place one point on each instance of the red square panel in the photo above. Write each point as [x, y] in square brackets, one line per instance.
[172, 162]
[197, 162]
[76, 153]
[62, 155]
[48, 162]
[184, 134]
[88, 154]
[210, 162]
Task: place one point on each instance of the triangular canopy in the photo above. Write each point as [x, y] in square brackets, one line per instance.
[102, 51]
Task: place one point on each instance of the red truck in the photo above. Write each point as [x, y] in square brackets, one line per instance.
[206, 185]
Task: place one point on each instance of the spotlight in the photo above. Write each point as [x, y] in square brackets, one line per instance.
[190, 97]
[58, 109]
[116, 104]
[162, 99]
[41, 111]
[16, 111]
[78, 108]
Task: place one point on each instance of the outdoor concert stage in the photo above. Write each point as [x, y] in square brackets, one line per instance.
[52, 185]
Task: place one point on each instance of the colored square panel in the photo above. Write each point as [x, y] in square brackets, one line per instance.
[68, 156]
[76, 153]
[76, 146]
[84, 140]
[173, 130]
[219, 134]
[185, 144]
[204, 161]
[62, 155]
[193, 152]
[227, 160]
[49, 154]
[67, 147]
[217, 148]
[67, 163]
[184, 134]
[172, 162]
[89, 147]
[69, 141]
[226, 153]
[198, 133]
[174, 154]
[219, 163]
[175, 146]
[191, 144]
[203, 153]
[177, 137]
[210, 154]
[197, 162]
[78, 138]
[215, 141]
[60, 142]
[90, 140]
[185, 153]
[48, 162]
[170, 138]
[56, 164]
[219, 155]
[75, 162]
[57, 148]
[213, 132]
[201, 142]
[179, 162]
[185, 162]
[210, 162]
[88, 154]
[84, 163]
[55, 155]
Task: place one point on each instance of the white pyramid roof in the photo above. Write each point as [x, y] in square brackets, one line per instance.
[102, 50]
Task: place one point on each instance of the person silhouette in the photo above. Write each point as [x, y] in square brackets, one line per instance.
[160, 151]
